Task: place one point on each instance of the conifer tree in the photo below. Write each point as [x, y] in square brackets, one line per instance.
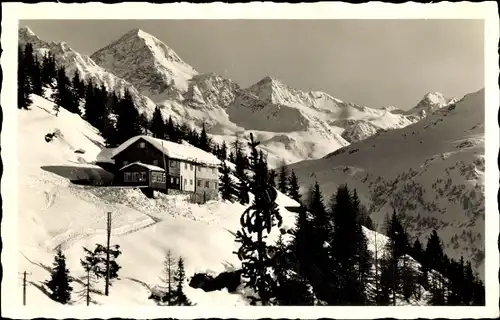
[204, 141]
[180, 297]
[168, 278]
[227, 187]
[49, 71]
[91, 266]
[293, 187]
[434, 252]
[157, 124]
[63, 94]
[36, 76]
[283, 178]
[223, 151]
[239, 158]
[127, 124]
[60, 281]
[257, 221]
[78, 85]
[321, 273]
[291, 288]
[349, 249]
[272, 178]
[24, 88]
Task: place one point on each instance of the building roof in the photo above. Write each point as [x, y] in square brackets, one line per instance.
[105, 155]
[173, 150]
[147, 166]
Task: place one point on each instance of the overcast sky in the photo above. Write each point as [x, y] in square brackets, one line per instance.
[375, 63]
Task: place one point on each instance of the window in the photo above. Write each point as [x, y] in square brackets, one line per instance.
[213, 170]
[142, 176]
[191, 167]
[171, 179]
[199, 183]
[155, 162]
[185, 182]
[207, 184]
[126, 177]
[199, 168]
[191, 181]
[172, 163]
[176, 180]
[142, 145]
[185, 165]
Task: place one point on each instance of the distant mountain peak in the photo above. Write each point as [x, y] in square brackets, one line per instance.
[27, 31]
[148, 63]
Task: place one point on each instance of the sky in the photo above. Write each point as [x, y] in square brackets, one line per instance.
[375, 63]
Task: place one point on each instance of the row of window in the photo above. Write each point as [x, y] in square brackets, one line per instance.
[158, 177]
[173, 164]
[135, 177]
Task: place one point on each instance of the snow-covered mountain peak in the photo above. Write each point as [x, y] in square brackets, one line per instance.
[429, 103]
[148, 63]
[25, 30]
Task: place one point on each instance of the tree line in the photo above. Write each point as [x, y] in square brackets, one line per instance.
[114, 114]
[327, 261]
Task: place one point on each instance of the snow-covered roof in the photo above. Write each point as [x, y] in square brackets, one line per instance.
[173, 150]
[147, 166]
[105, 155]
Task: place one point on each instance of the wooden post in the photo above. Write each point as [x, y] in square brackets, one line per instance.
[108, 271]
[24, 288]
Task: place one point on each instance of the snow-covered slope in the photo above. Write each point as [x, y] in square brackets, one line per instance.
[87, 68]
[432, 171]
[56, 212]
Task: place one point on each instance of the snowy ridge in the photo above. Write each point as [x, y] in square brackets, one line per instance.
[147, 63]
[292, 125]
[89, 71]
[432, 171]
[75, 216]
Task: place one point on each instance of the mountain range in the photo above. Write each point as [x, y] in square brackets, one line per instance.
[292, 125]
[426, 161]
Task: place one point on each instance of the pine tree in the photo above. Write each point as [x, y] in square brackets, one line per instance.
[223, 151]
[59, 283]
[78, 85]
[168, 278]
[24, 88]
[257, 220]
[272, 178]
[434, 252]
[283, 178]
[91, 266]
[204, 141]
[226, 187]
[49, 69]
[239, 158]
[321, 272]
[293, 187]
[180, 297]
[127, 125]
[349, 249]
[63, 94]
[36, 77]
[291, 288]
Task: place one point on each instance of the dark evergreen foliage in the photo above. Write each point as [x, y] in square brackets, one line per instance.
[258, 220]
[293, 187]
[60, 281]
[227, 187]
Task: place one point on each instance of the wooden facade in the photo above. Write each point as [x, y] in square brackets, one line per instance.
[200, 179]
